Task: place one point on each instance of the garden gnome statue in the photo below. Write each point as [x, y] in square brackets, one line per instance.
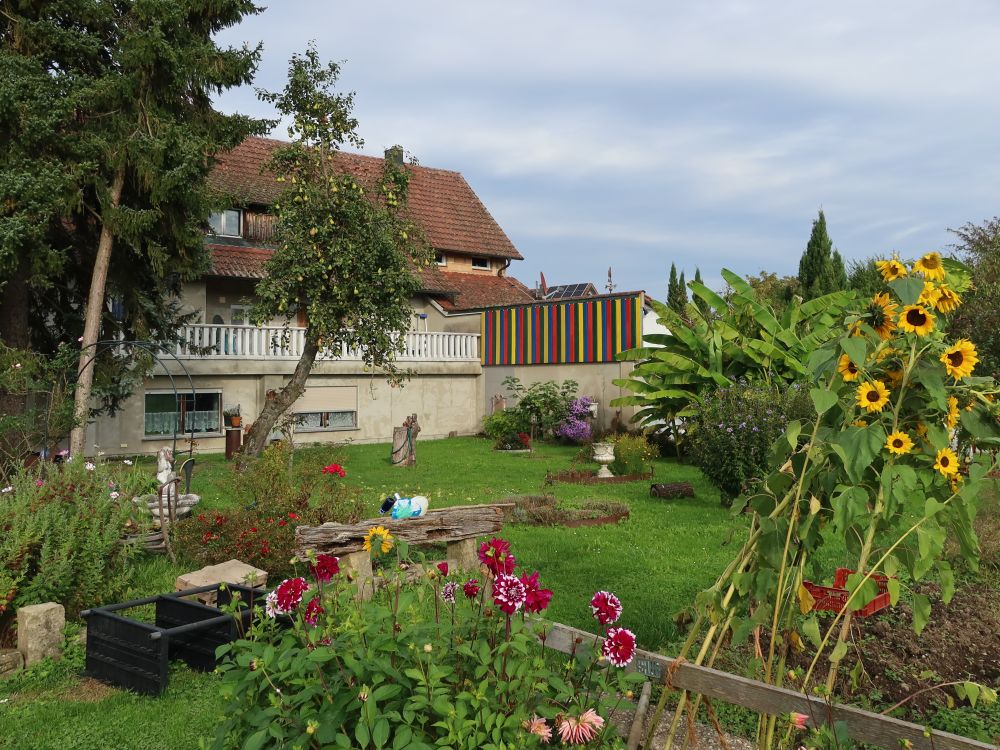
[165, 473]
[404, 440]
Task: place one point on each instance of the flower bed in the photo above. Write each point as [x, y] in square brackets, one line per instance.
[448, 661]
[543, 510]
[582, 476]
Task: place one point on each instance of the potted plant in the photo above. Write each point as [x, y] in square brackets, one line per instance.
[232, 416]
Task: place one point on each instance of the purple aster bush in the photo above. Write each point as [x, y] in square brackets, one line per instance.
[576, 426]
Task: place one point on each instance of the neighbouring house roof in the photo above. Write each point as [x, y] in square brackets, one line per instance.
[441, 202]
[473, 291]
[567, 291]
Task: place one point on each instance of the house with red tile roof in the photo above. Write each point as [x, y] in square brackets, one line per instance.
[222, 362]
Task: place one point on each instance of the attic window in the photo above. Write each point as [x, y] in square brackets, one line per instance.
[481, 263]
[440, 259]
[225, 223]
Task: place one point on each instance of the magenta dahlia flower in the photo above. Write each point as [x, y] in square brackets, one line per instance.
[313, 610]
[537, 598]
[495, 555]
[619, 646]
[471, 588]
[607, 607]
[285, 597]
[325, 568]
[448, 591]
[509, 593]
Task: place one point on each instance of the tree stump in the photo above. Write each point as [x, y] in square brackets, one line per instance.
[404, 452]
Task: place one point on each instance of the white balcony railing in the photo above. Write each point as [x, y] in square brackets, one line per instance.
[210, 341]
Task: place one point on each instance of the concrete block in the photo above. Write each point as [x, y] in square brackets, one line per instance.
[40, 631]
[231, 571]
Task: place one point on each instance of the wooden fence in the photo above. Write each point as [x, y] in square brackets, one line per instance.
[863, 726]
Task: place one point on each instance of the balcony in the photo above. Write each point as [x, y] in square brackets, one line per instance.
[216, 342]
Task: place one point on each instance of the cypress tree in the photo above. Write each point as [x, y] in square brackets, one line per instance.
[821, 269]
[698, 301]
[682, 292]
[672, 286]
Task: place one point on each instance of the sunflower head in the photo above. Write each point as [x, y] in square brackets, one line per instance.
[891, 269]
[948, 299]
[379, 539]
[953, 414]
[930, 295]
[873, 396]
[947, 462]
[930, 266]
[847, 368]
[881, 315]
[899, 443]
[916, 319]
[960, 359]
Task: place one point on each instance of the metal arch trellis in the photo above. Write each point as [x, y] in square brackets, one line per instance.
[151, 348]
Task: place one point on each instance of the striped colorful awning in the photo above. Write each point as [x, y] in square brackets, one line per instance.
[592, 330]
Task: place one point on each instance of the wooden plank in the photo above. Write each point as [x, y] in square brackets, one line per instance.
[635, 735]
[444, 525]
[863, 726]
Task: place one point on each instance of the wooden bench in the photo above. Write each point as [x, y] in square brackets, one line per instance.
[460, 527]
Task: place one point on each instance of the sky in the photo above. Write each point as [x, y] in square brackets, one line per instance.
[639, 134]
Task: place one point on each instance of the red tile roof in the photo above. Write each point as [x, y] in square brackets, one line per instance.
[239, 262]
[441, 202]
[474, 291]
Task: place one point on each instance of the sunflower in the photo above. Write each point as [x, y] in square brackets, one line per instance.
[860, 423]
[930, 266]
[960, 358]
[948, 299]
[952, 419]
[921, 430]
[380, 532]
[947, 462]
[899, 443]
[881, 315]
[847, 368]
[956, 483]
[873, 396]
[930, 295]
[895, 377]
[891, 269]
[916, 319]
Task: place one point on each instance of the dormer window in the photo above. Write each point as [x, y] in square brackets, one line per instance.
[225, 223]
[482, 264]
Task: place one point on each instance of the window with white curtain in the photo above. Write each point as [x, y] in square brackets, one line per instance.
[167, 412]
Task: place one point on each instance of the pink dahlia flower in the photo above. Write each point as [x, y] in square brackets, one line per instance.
[286, 597]
[325, 568]
[313, 610]
[537, 726]
[537, 598]
[607, 607]
[448, 591]
[579, 730]
[471, 588]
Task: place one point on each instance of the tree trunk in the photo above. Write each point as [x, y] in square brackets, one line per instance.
[256, 439]
[14, 332]
[92, 323]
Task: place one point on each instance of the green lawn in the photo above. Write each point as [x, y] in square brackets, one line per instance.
[656, 562]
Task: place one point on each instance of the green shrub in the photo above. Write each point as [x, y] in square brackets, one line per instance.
[278, 491]
[61, 528]
[418, 665]
[633, 454]
[505, 426]
[546, 404]
[731, 439]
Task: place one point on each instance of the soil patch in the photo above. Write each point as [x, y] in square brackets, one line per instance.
[544, 510]
[588, 476]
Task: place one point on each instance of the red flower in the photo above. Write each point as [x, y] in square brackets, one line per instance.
[607, 608]
[313, 611]
[335, 469]
[293, 516]
[495, 555]
[509, 593]
[537, 597]
[443, 567]
[219, 520]
[282, 522]
[288, 594]
[265, 548]
[206, 537]
[619, 646]
[253, 529]
[471, 588]
[326, 567]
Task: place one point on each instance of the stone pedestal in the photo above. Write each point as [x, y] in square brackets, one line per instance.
[358, 565]
[11, 661]
[464, 554]
[231, 571]
[40, 631]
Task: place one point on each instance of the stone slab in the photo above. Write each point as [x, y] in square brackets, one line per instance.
[231, 571]
[40, 631]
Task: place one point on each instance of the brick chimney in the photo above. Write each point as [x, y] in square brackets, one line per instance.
[395, 155]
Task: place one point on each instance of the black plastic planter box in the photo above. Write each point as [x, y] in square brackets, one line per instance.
[135, 655]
